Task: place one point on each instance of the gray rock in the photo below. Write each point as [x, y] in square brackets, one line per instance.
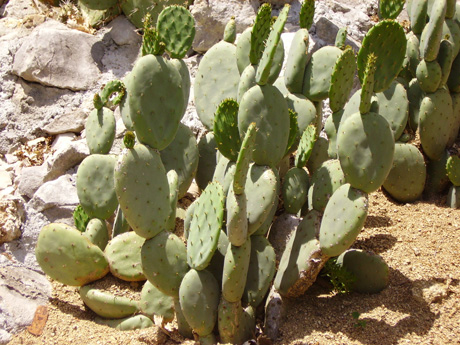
[55, 55]
[64, 158]
[11, 217]
[56, 193]
[31, 179]
[211, 16]
[123, 32]
[73, 121]
[61, 214]
[22, 291]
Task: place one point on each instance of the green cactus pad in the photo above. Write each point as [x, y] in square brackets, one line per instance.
[181, 66]
[217, 79]
[244, 159]
[265, 106]
[451, 32]
[156, 100]
[387, 41]
[436, 112]
[371, 273]
[367, 90]
[100, 131]
[154, 302]
[454, 78]
[432, 33]
[262, 187]
[317, 77]
[205, 226]
[120, 224]
[164, 262]
[390, 9]
[343, 219]
[365, 147]
[136, 10]
[80, 218]
[324, 182]
[342, 80]
[455, 120]
[143, 190]
[437, 180]
[295, 189]
[95, 186]
[243, 48]
[106, 304]
[453, 170]
[127, 323]
[229, 318]
[236, 223]
[293, 133]
[341, 38]
[67, 256]
[415, 95]
[418, 15]
[305, 109]
[264, 74]
[199, 299]
[224, 172]
[302, 258]
[319, 154]
[406, 180]
[262, 266]
[236, 266]
[97, 232]
[225, 129]
[297, 60]
[429, 75]
[230, 31]
[413, 52]
[445, 59]
[331, 127]
[453, 197]
[176, 28]
[307, 12]
[393, 105]
[182, 155]
[99, 4]
[305, 148]
[124, 256]
[260, 32]
[247, 80]
[182, 325]
[236, 325]
[207, 148]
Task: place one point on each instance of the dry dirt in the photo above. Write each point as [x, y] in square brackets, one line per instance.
[421, 305]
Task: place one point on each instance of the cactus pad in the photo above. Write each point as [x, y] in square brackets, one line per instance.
[143, 190]
[100, 131]
[164, 262]
[154, 302]
[124, 256]
[225, 129]
[65, 255]
[205, 226]
[343, 219]
[387, 41]
[95, 186]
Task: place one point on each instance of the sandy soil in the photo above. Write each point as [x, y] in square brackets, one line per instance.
[420, 243]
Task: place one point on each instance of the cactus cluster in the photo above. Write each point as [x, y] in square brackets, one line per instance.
[263, 157]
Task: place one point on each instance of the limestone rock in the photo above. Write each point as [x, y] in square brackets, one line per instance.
[211, 16]
[73, 121]
[56, 193]
[22, 291]
[54, 55]
[123, 32]
[11, 217]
